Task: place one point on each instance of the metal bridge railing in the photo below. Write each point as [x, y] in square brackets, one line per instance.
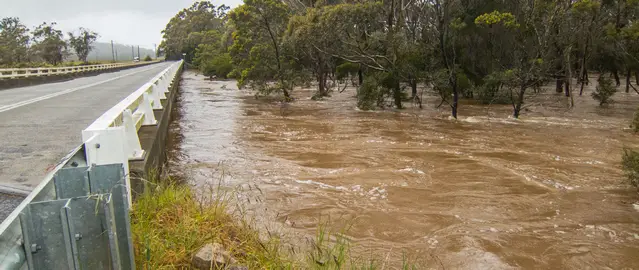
[113, 137]
[78, 216]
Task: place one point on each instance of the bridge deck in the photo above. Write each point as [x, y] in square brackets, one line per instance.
[40, 124]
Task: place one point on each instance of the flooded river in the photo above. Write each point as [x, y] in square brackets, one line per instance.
[483, 192]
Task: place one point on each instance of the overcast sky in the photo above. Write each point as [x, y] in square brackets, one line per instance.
[131, 22]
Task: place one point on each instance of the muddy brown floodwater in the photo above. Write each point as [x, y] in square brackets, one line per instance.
[485, 191]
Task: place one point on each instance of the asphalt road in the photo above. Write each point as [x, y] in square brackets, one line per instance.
[40, 124]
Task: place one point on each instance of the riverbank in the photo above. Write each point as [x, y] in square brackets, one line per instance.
[171, 225]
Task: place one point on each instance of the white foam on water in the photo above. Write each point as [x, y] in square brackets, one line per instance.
[413, 170]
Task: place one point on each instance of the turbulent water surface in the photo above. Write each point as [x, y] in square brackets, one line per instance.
[485, 191]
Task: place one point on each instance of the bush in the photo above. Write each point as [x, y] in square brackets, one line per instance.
[604, 91]
[635, 121]
[630, 163]
[369, 94]
[220, 65]
[148, 58]
[492, 91]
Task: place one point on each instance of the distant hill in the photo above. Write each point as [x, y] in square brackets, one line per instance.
[102, 51]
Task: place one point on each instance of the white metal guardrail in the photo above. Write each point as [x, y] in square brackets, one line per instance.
[15, 73]
[111, 139]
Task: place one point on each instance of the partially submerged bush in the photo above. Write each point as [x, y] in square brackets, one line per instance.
[635, 121]
[630, 162]
[604, 91]
[369, 94]
[493, 91]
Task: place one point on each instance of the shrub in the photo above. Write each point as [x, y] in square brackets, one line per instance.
[492, 91]
[635, 121]
[219, 65]
[630, 163]
[369, 94]
[604, 91]
[148, 58]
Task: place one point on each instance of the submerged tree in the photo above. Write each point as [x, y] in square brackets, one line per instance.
[257, 47]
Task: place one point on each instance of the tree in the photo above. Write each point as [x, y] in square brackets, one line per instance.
[49, 44]
[190, 27]
[14, 41]
[257, 53]
[81, 43]
[604, 91]
[307, 41]
[529, 33]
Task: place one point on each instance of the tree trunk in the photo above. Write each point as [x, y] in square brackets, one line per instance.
[455, 100]
[616, 74]
[567, 87]
[519, 102]
[287, 95]
[413, 85]
[628, 75]
[360, 75]
[397, 95]
[321, 78]
[559, 85]
[637, 77]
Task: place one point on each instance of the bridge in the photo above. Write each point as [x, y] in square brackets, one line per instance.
[80, 138]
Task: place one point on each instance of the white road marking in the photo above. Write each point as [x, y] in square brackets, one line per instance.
[52, 95]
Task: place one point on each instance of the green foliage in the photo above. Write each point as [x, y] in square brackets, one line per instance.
[630, 163]
[635, 121]
[257, 52]
[346, 70]
[148, 58]
[442, 86]
[586, 6]
[201, 23]
[492, 91]
[370, 94]
[81, 43]
[49, 44]
[211, 61]
[507, 19]
[14, 41]
[604, 91]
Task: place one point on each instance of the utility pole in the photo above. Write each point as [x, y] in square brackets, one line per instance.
[132, 53]
[139, 53]
[155, 51]
[112, 51]
[116, 55]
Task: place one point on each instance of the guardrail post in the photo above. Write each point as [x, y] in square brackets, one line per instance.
[147, 110]
[155, 92]
[133, 150]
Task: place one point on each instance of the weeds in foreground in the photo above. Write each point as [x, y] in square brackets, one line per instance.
[170, 224]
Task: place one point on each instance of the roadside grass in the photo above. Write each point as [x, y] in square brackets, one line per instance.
[170, 224]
